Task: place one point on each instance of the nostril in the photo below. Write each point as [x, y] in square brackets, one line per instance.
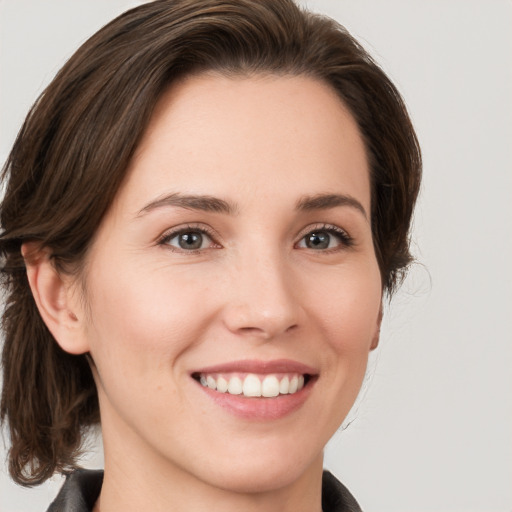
[265, 333]
[250, 330]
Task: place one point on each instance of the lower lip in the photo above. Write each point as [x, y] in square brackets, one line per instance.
[260, 408]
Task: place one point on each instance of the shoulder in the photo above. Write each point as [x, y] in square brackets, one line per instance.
[79, 492]
[336, 497]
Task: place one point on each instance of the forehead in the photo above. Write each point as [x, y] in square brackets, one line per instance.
[265, 134]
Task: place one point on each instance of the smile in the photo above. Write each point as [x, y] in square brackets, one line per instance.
[258, 390]
[254, 385]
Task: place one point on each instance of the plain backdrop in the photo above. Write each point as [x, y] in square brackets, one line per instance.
[432, 430]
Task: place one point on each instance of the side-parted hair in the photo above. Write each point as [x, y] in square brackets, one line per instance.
[75, 146]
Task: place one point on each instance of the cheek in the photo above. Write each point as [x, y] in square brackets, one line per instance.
[142, 321]
[349, 307]
[349, 314]
[346, 312]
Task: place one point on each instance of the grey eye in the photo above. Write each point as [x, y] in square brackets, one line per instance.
[317, 240]
[189, 240]
[324, 238]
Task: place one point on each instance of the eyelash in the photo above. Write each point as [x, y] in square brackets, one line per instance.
[190, 228]
[345, 240]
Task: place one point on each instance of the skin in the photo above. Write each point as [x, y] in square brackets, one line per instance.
[154, 312]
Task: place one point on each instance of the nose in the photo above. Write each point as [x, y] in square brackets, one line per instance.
[263, 301]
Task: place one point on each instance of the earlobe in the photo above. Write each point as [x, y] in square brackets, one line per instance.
[376, 336]
[55, 299]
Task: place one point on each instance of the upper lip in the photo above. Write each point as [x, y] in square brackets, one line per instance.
[261, 367]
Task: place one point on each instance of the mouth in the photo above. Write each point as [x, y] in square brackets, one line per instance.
[254, 385]
[258, 390]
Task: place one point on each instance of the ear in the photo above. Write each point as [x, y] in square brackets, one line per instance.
[376, 336]
[56, 299]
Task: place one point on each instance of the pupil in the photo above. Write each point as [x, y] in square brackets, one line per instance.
[190, 240]
[318, 240]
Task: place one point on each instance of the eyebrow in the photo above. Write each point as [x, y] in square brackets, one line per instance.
[326, 201]
[214, 204]
[191, 202]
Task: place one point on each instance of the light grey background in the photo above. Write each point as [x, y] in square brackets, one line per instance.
[433, 429]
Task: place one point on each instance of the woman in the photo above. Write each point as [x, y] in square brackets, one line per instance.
[203, 212]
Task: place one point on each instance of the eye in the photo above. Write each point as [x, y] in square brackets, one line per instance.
[188, 239]
[325, 238]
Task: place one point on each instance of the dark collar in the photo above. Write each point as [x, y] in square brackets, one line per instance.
[79, 492]
[82, 488]
[336, 497]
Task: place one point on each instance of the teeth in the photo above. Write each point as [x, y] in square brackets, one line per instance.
[294, 382]
[284, 386]
[235, 386]
[270, 386]
[252, 385]
[222, 384]
[210, 382]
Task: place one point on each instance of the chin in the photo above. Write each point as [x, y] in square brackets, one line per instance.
[261, 474]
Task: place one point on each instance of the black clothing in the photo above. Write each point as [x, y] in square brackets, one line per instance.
[82, 488]
[336, 497]
[79, 492]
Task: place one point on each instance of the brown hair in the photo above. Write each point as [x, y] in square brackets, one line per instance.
[74, 148]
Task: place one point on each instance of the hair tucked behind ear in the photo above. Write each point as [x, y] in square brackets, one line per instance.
[75, 147]
[48, 396]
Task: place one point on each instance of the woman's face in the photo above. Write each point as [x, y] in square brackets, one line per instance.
[238, 254]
